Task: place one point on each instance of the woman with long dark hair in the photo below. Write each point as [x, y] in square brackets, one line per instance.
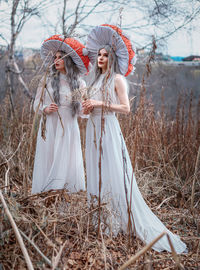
[58, 159]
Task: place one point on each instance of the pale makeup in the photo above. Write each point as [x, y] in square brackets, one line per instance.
[102, 60]
[59, 63]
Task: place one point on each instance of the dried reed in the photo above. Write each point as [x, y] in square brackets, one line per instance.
[164, 153]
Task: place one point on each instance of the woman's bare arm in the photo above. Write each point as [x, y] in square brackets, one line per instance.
[121, 91]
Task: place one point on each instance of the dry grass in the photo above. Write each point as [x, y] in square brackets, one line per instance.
[164, 155]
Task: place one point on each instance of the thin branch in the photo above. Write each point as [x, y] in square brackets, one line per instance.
[26, 89]
[195, 178]
[17, 233]
[36, 248]
[141, 252]
[56, 259]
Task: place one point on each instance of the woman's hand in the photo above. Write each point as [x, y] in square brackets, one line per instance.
[51, 108]
[89, 104]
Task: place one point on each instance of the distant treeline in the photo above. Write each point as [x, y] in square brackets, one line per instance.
[165, 87]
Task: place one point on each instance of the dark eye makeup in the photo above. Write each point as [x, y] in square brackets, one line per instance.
[57, 57]
[105, 54]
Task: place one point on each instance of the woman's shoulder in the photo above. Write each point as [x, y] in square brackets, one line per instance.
[119, 79]
[121, 82]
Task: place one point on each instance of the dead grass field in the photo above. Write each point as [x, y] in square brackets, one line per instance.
[165, 157]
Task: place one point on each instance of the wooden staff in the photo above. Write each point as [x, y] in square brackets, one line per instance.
[31, 134]
[56, 111]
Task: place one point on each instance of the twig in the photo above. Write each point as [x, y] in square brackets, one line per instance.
[1, 187]
[7, 178]
[57, 258]
[164, 201]
[195, 178]
[101, 147]
[131, 224]
[56, 111]
[104, 248]
[37, 249]
[142, 251]
[175, 256]
[49, 240]
[197, 255]
[31, 134]
[7, 162]
[100, 178]
[26, 89]
[17, 233]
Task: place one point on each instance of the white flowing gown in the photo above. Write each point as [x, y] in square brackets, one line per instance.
[117, 175]
[58, 159]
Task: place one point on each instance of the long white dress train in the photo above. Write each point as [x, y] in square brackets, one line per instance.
[58, 159]
[117, 175]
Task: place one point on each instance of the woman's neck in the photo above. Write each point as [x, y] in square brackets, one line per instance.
[103, 71]
[63, 72]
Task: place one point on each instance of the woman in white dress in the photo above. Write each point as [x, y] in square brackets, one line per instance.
[58, 159]
[119, 190]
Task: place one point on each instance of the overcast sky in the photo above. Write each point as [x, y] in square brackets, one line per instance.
[182, 43]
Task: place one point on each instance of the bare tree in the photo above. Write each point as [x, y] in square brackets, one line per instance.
[161, 18]
[81, 11]
[18, 12]
[140, 17]
[75, 18]
[144, 18]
